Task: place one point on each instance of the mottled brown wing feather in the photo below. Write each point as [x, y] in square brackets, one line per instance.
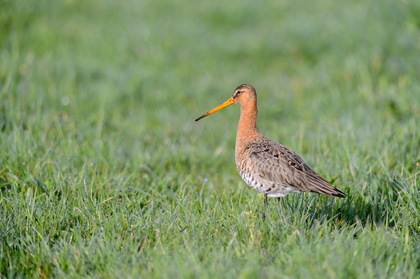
[278, 164]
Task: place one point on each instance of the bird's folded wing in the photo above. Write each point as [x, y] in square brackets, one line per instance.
[278, 164]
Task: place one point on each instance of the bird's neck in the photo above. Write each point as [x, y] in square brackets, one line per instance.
[247, 127]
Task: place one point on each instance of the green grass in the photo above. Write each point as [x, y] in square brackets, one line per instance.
[104, 173]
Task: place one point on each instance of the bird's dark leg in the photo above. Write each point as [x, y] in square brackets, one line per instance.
[265, 206]
[281, 208]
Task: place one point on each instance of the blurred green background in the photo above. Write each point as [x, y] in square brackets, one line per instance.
[104, 173]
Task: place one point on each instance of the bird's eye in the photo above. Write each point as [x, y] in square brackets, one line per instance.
[238, 92]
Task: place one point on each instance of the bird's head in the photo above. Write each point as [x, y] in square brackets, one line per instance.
[243, 94]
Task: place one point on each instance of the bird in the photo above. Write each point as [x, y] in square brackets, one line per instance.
[267, 166]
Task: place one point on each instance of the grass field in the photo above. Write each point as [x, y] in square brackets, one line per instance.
[105, 174]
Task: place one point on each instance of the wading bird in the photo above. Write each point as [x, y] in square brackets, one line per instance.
[267, 166]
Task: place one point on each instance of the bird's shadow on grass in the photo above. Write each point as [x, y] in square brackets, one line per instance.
[354, 209]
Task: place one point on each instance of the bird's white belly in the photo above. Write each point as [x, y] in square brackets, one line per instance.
[253, 183]
[272, 191]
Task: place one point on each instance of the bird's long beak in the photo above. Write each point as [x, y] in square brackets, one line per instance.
[225, 104]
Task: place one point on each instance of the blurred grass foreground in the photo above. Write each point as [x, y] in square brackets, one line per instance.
[104, 173]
